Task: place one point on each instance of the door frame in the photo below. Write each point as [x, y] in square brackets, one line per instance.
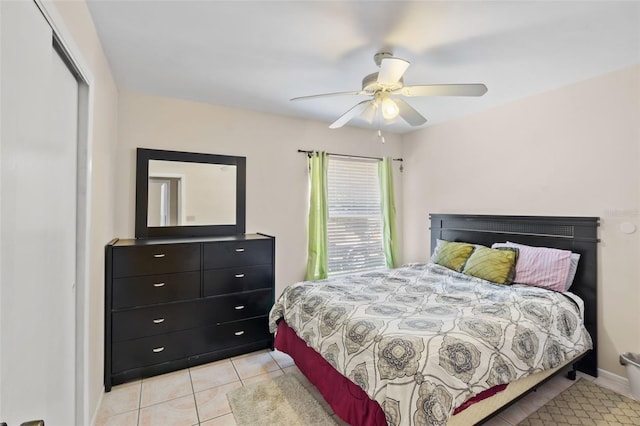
[182, 182]
[73, 55]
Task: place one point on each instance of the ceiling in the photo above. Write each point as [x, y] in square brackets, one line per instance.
[256, 55]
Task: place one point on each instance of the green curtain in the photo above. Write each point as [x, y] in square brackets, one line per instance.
[388, 206]
[318, 214]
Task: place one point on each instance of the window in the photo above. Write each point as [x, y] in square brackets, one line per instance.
[354, 226]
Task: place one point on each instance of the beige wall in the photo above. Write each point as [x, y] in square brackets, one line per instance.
[103, 143]
[277, 182]
[573, 151]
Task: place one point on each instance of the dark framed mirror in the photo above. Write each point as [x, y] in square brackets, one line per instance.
[187, 194]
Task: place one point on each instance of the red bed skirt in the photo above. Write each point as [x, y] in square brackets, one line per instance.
[347, 399]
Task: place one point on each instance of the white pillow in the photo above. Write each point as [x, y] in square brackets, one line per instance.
[573, 267]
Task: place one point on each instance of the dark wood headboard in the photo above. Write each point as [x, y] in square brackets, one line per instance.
[578, 234]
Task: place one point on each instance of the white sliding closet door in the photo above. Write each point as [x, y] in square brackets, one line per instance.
[38, 163]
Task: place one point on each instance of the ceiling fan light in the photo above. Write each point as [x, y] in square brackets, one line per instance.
[390, 109]
[369, 114]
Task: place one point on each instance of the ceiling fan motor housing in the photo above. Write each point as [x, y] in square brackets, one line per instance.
[378, 57]
[370, 84]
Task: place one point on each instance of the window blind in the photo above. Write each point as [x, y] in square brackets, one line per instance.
[354, 225]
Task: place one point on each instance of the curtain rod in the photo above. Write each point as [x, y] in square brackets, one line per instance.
[349, 156]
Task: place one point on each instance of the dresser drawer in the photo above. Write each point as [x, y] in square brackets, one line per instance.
[155, 349]
[238, 333]
[149, 321]
[235, 307]
[151, 289]
[236, 280]
[155, 259]
[184, 344]
[237, 253]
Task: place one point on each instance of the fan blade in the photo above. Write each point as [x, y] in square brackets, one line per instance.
[357, 92]
[444, 90]
[409, 114]
[347, 116]
[392, 70]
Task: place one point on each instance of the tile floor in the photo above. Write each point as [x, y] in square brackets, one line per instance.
[197, 396]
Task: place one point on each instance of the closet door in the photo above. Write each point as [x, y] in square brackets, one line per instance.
[39, 111]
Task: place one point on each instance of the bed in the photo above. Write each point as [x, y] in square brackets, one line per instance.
[386, 347]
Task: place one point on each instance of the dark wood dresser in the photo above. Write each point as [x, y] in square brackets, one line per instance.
[174, 303]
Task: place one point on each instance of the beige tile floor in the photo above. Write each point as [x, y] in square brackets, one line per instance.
[198, 395]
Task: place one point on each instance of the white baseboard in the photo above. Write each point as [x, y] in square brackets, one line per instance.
[611, 376]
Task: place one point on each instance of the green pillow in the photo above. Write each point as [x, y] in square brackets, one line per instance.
[453, 255]
[495, 265]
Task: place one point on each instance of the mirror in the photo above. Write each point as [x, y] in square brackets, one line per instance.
[181, 194]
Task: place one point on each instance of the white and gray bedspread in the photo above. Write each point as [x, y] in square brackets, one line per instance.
[422, 339]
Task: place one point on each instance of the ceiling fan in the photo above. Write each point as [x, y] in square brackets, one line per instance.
[386, 87]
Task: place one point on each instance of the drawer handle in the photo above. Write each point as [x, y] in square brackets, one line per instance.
[239, 307]
[239, 333]
[158, 256]
[158, 350]
[158, 321]
[239, 275]
[158, 285]
[240, 250]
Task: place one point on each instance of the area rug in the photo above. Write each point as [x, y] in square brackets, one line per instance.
[585, 403]
[279, 401]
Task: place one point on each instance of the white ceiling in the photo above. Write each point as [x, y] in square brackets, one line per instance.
[256, 55]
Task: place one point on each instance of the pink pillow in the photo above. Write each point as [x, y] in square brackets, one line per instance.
[541, 266]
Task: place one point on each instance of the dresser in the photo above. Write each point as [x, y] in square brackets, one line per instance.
[174, 303]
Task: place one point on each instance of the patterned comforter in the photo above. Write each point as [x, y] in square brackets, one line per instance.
[422, 339]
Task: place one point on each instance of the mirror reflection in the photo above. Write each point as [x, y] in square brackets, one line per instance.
[185, 193]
